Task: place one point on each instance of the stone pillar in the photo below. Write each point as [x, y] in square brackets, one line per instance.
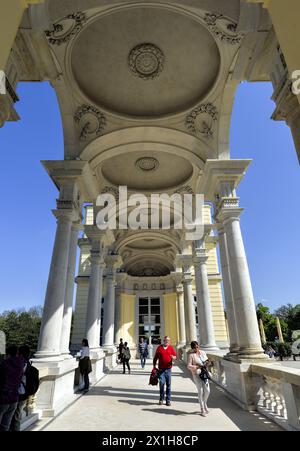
[109, 303]
[181, 319]
[68, 307]
[93, 319]
[190, 314]
[109, 313]
[205, 318]
[232, 324]
[244, 305]
[118, 307]
[50, 332]
[177, 276]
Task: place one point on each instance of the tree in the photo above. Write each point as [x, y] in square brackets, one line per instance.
[269, 321]
[290, 315]
[22, 327]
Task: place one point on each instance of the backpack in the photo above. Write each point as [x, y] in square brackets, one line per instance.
[32, 380]
[154, 377]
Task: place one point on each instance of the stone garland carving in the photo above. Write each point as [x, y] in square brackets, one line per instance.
[146, 61]
[201, 120]
[223, 28]
[91, 121]
[65, 29]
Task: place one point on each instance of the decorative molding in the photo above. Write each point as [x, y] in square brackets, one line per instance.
[111, 190]
[147, 164]
[65, 29]
[201, 120]
[223, 28]
[184, 190]
[91, 121]
[146, 61]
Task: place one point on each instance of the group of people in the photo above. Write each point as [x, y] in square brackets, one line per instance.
[124, 354]
[198, 364]
[18, 381]
[165, 355]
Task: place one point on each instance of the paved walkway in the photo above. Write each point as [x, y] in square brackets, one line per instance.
[127, 403]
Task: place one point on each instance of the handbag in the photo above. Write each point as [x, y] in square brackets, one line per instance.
[204, 375]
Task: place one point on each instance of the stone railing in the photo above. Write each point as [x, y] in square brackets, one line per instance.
[279, 395]
[272, 389]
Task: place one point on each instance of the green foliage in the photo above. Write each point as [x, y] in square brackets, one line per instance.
[290, 315]
[22, 327]
[269, 321]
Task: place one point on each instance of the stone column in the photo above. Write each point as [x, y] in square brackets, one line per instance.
[205, 318]
[118, 307]
[51, 327]
[177, 276]
[244, 305]
[68, 307]
[190, 314]
[93, 319]
[232, 324]
[181, 319]
[109, 304]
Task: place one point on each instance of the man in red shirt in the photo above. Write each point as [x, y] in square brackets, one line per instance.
[165, 355]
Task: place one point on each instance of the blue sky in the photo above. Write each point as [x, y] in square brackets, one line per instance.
[269, 194]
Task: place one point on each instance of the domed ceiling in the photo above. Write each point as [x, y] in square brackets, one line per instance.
[145, 61]
[139, 171]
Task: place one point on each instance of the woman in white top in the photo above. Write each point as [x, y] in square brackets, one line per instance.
[197, 361]
[85, 364]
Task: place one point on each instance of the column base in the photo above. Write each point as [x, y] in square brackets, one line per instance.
[56, 390]
[97, 357]
[240, 384]
[110, 360]
[209, 348]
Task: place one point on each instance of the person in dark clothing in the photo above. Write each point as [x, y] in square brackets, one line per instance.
[11, 372]
[126, 356]
[85, 365]
[24, 353]
[120, 348]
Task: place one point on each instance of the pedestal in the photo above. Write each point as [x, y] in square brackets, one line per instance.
[56, 390]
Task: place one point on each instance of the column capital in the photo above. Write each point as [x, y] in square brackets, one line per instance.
[77, 226]
[94, 233]
[177, 277]
[112, 262]
[184, 260]
[221, 178]
[200, 257]
[66, 214]
[229, 214]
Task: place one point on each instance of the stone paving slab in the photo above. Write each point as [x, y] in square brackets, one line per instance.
[127, 403]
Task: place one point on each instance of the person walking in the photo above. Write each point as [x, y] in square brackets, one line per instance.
[165, 355]
[126, 356]
[85, 365]
[143, 351]
[28, 387]
[198, 365]
[11, 372]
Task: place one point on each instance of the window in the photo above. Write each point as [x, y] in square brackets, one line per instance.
[150, 320]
